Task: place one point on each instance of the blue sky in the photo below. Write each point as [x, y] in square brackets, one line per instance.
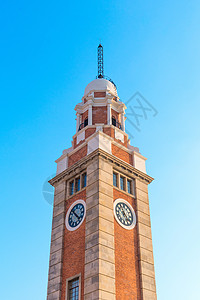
[48, 56]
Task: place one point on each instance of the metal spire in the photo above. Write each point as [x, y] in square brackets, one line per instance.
[100, 62]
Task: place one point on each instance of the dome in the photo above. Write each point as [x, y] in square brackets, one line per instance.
[101, 84]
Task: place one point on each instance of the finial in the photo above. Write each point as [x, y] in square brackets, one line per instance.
[100, 61]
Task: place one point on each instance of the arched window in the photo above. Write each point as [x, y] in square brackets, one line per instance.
[114, 122]
[85, 122]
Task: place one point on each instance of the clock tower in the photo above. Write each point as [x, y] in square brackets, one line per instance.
[101, 244]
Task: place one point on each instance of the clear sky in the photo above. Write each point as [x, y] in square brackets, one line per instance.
[47, 57]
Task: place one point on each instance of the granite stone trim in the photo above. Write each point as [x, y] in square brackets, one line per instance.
[145, 247]
[56, 249]
[99, 240]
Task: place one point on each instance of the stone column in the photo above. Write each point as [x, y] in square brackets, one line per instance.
[146, 261]
[99, 241]
[123, 121]
[57, 237]
[109, 117]
[77, 121]
[90, 114]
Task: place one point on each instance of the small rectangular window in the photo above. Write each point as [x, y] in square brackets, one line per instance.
[114, 122]
[129, 186]
[77, 184]
[71, 187]
[84, 180]
[122, 183]
[115, 179]
[73, 287]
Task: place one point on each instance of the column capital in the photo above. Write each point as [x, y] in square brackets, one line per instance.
[90, 102]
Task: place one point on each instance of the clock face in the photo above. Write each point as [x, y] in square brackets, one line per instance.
[124, 214]
[75, 215]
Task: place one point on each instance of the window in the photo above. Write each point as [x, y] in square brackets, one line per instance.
[122, 183]
[85, 122]
[71, 187]
[84, 180]
[129, 186]
[77, 184]
[73, 289]
[115, 179]
[114, 121]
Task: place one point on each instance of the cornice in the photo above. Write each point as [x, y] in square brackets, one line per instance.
[118, 105]
[117, 164]
[104, 90]
[108, 137]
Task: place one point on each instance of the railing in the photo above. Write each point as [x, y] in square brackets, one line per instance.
[116, 124]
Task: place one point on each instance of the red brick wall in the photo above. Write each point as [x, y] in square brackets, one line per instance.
[126, 257]
[99, 114]
[75, 142]
[122, 154]
[99, 94]
[77, 156]
[74, 250]
[89, 132]
[125, 141]
[109, 131]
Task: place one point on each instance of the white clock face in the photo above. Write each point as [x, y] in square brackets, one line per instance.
[124, 214]
[75, 215]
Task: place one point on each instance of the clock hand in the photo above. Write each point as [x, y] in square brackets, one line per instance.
[124, 213]
[76, 215]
